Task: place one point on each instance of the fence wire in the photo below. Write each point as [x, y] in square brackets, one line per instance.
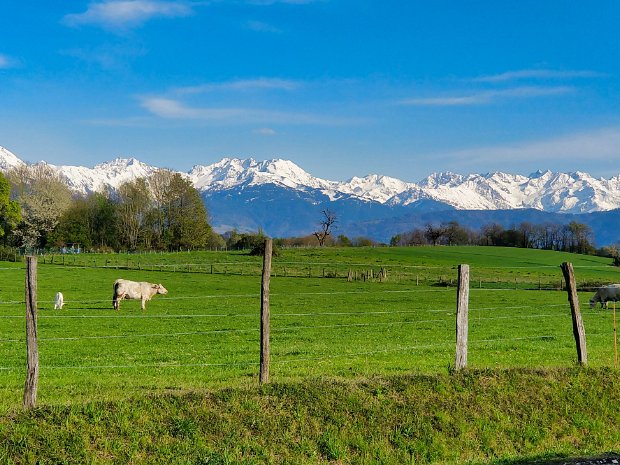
[353, 355]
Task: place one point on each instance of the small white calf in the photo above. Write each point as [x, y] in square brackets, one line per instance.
[59, 302]
[124, 289]
[604, 294]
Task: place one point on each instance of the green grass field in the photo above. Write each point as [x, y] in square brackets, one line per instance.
[360, 371]
[205, 332]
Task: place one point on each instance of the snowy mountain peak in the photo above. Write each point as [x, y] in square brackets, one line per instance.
[540, 174]
[120, 164]
[441, 179]
[8, 160]
[575, 192]
[375, 187]
[231, 172]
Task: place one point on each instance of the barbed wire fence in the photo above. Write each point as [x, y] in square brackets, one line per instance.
[439, 276]
[32, 370]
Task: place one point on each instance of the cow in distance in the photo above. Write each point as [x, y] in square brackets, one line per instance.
[605, 294]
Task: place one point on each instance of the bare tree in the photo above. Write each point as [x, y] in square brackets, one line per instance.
[434, 234]
[160, 186]
[326, 224]
[134, 202]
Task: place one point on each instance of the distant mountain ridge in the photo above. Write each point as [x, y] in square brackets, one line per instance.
[247, 194]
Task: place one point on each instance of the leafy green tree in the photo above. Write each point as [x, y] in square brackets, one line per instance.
[215, 240]
[43, 196]
[103, 221]
[185, 216]
[90, 222]
[344, 241]
[73, 226]
[10, 212]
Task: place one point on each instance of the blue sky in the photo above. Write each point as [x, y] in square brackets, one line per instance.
[341, 87]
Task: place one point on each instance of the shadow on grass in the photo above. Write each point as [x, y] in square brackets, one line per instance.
[604, 459]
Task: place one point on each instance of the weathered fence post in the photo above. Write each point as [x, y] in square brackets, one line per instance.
[578, 330]
[615, 339]
[264, 315]
[462, 309]
[32, 375]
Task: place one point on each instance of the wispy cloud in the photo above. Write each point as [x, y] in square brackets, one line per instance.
[126, 14]
[589, 147]
[538, 74]
[289, 2]
[175, 109]
[265, 132]
[489, 96]
[108, 56]
[6, 62]
[259, 26]
[241, 85]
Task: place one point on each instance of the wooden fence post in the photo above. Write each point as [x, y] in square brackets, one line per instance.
[462, 309]
[32, 375]
[264, 315]
[578, 330]
[615, 339]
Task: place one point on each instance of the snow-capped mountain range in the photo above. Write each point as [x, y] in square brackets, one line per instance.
[284, 200]
[547, 191]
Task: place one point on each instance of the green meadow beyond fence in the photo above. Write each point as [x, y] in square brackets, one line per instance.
[233, 319]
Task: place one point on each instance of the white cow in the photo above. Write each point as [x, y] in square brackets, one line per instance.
[124, 289]
[59, 302]
[604, 294]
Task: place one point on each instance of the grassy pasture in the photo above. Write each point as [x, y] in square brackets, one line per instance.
[205, 332]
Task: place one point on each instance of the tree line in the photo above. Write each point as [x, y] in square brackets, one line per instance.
[572, 237]
[160, 212]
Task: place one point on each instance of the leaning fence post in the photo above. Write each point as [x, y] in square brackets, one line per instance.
[578, 329]
[264, 315]
[462, 308]
[32, 375]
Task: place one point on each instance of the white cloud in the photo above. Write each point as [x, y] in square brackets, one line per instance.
[107, 56]
[5, 62]
[123, 14]
[538, 74]
[242, 85]
[174, 109]
[288, 2]
[601, 145]
[265, 132]
[259, 26]
[488, 97]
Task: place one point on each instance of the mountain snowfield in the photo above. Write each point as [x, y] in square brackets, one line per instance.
[546, 191]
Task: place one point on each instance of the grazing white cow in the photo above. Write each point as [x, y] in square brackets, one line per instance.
[604, 294]
[124, 289]
[59, 302]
